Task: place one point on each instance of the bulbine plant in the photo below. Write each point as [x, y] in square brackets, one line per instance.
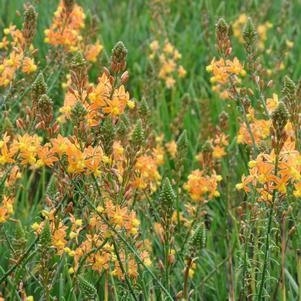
[124, 180]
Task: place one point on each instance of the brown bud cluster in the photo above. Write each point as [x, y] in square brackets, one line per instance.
[222, 37]
[30, 24]
[279, 120]
[68, 5]
[119, 53]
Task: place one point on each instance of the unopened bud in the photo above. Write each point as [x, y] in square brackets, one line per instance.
[280, 117]
[119, 54]
[68, 5]
[124, 77]
[30, 23]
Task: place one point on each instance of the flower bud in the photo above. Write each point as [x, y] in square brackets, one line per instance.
[87, 289]
[119, 54]
[280, 116]
[30, 24]
[68, 5]
[249, 33]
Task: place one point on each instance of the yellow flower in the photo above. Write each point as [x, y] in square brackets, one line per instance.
[92, 52]
[35, 226]
[239, 186]
[131, 104]
[252, 164]
[72, 235]
[78, 222]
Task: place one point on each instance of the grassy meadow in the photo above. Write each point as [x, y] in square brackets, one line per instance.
[150, 150]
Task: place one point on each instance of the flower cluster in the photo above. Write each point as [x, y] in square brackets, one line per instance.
[263, 178]
[167, 57]
[16, 56]
[225, 72]
[124, 191]
[66, 30]
[260, 129]
[202, 188]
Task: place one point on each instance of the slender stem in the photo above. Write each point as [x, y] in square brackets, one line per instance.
[186, 275]
[22, 257]
[298, 255]
[261, 97]
[283, 249]
[238, 99]
[267, 240]
[249, 129]
[124, 272]
[106, 291]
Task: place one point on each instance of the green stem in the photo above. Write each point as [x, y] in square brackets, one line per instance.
[186, 276]
[299, 273]
[124, 272]
[239, 101]
[22, 257]
[267, 240]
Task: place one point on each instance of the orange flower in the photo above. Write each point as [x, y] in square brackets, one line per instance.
[76, 160]
[6, 208]
[27, 146]
[65, 30]
[147, 173]
[6, 156]
[92, 51]
[60, 145]
[262, 173]
[260, 129]
[29, 65]
[46, 155]
[93, 159]
[113, 107]
[199, 186]
[218, 152]
[58, 236]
